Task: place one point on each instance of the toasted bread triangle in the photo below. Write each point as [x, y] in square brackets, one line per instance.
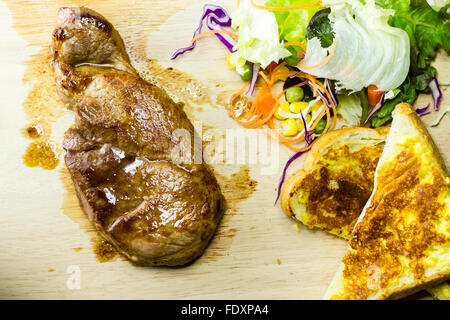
[336, 180]
[401, 242]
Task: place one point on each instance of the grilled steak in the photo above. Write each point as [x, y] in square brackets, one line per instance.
[131, 151]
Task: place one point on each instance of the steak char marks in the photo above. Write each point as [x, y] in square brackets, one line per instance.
[155, 207]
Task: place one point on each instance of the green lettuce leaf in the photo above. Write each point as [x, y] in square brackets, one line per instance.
[292, 24]
[428, 31]
[408, 94]
[395, 4]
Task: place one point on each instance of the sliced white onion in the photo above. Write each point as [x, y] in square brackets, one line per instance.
[368, 50]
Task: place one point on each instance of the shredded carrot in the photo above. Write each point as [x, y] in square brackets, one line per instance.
[313, 80]
[333, 106]
[259, 6]
[281, 75]
[234, 35]
[262, 121]
[267, 80]
[297, 149]
[276, 74]
[265, 101]
[333, 49]
[300, 54]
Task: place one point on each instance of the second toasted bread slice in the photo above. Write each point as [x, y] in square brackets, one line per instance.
[401, 242]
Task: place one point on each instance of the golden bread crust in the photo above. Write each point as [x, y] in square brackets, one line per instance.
[403, 233]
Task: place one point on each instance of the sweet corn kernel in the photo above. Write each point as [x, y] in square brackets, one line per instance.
[283, 106]
[289, 127]
[230, 65]
[297, 106]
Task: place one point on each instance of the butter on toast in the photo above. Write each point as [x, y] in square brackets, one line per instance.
[336, 180]
[401, 241]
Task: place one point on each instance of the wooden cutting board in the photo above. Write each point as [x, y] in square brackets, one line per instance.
[49, 248]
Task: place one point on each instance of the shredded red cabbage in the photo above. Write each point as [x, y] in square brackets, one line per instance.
[423, 111]
[216, 17]
[377, 107]
[283, 176]
[308, 141]
[321, 94]
[295, 75]
[307, 134]
[333, 97]
[435, 92]
[255, 71]
[214, 24]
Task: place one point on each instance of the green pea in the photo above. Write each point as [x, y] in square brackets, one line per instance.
[294, 94]
[321, 126]
[247, 72]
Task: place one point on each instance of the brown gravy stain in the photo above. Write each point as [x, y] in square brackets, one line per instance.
[33, 131]
[223, 98]
[235, 189]
[41, 154]
[42, 108]
[104, 251]
[180, 86]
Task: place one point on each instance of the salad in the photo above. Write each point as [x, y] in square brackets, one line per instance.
[311, 66]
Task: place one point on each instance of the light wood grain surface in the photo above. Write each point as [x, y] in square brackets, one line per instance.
[256, 254]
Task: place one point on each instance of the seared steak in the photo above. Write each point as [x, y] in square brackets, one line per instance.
[136, 179]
